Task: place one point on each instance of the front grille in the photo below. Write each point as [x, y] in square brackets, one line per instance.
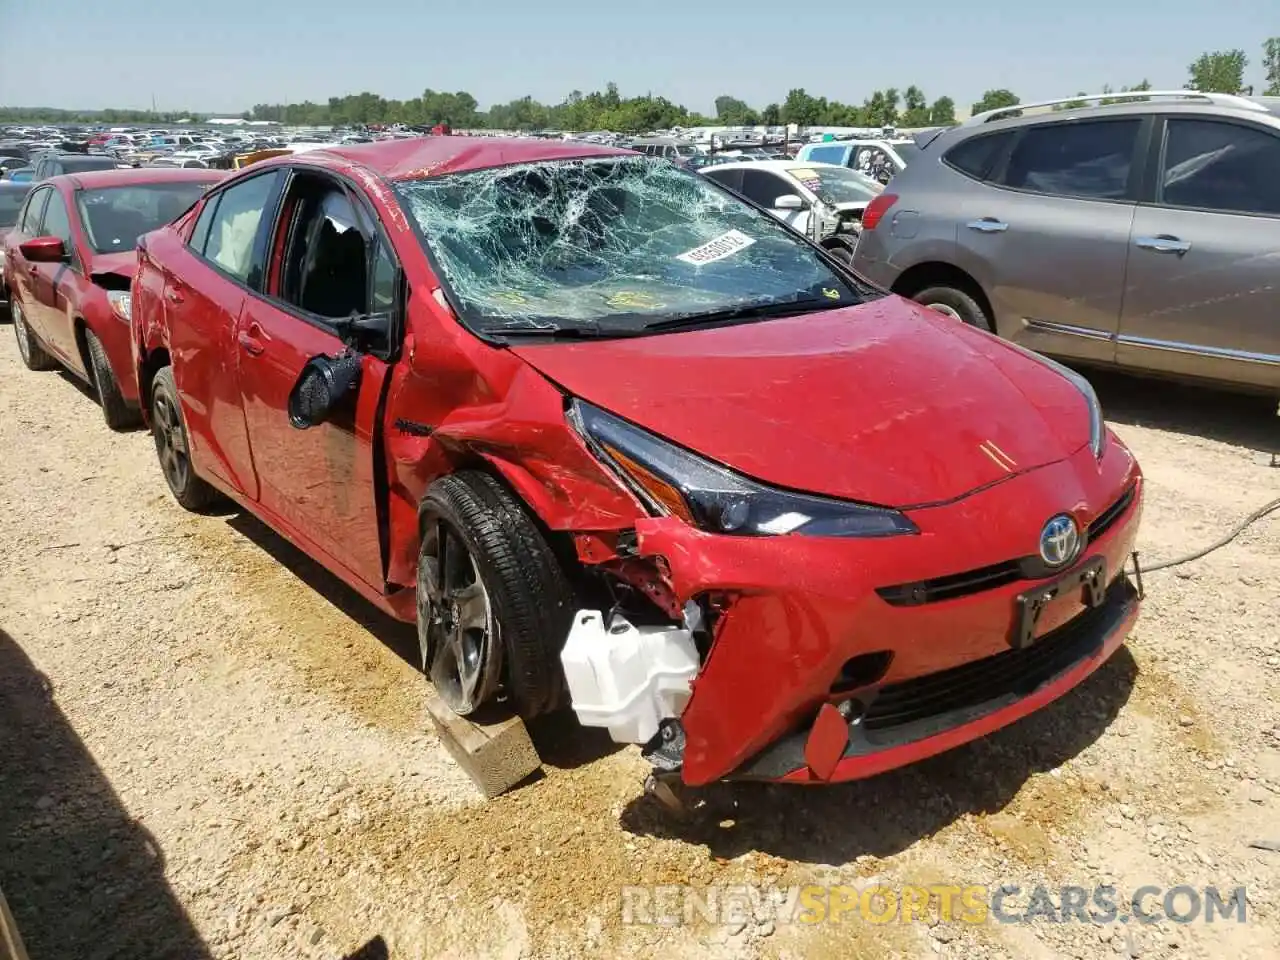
[951, 586]
[1108, 517]
[1012, 673]
[956, 585]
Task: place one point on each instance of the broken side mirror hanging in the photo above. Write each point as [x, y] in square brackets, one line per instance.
[322, 385]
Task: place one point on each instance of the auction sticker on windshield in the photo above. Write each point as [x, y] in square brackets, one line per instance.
[725, 245]
[808, 177]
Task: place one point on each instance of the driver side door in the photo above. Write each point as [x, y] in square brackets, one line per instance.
[329, 261]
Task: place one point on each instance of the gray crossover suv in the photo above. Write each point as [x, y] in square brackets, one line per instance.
[1143, 234]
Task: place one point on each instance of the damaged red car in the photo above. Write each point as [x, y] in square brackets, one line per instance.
[68, 265]
[618, 440]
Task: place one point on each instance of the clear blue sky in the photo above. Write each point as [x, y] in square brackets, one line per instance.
[226, 55]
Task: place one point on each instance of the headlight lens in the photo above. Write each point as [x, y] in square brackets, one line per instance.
[121, 303]
[672, 481]
[1097, 429]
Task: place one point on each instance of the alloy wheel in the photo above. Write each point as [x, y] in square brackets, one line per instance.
[171, 444]
[946, 311]
[460, 636]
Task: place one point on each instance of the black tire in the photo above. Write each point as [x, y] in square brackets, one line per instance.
[118, 413]
[531, 599]
[34, 356]
[168, 429]
[957, 303]
[841, 253]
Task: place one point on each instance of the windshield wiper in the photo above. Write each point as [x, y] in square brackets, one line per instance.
[749, 311]
[587, 331]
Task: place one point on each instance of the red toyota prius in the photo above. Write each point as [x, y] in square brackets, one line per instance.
[68, 264]
[617, 440]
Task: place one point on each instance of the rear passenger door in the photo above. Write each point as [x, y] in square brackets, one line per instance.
[1201, 296]
[203, 303]
[1048, 239]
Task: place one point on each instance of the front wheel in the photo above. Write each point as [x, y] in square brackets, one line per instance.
[494, 605]
[34, 356]
[118, 414]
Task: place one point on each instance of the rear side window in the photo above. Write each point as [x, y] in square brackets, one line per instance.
[977, 156]
[10, 203]
[826, 155]
[1089, 159]
[1220, 166]
[200, 235]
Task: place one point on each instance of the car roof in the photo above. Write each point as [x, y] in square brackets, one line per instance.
[103, 179]
[777, 166]
[419, 157]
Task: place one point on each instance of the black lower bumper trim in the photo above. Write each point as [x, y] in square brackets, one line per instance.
[901, 713]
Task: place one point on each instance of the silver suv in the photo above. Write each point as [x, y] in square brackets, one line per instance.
[1140, 234]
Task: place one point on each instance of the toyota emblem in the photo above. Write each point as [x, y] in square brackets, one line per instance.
[1059, 540]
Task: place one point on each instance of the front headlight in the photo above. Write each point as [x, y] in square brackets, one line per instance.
[1097, 429]
[121, 303]
[671, 481]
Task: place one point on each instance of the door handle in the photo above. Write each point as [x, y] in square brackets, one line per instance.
[252, 340]
[1163, 244]
[988, 225]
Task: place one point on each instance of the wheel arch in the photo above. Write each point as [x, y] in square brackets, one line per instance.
[934, 273]
[150, 363]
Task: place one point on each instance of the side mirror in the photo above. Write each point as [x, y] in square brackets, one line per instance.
[321, 387]
[44, 250]
[789, 201]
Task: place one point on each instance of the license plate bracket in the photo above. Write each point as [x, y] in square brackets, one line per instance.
[1090, 579]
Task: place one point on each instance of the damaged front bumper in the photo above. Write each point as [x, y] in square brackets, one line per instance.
[835, 659]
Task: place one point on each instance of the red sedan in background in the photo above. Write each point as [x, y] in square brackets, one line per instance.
[68, 263]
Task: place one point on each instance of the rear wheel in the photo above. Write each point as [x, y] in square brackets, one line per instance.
[955, 304]
[170, 434]
[118, 414]
[494, 605]
[33, 354]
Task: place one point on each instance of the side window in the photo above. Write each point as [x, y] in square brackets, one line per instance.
[56, 221]
[764, 188]
[826, 155]
[977, 156]
[1089, 159]
[727, 178]
[200, 235]
[326, 257]
[1220, 166]
[233, 229]
[33, 211]
[383, 284]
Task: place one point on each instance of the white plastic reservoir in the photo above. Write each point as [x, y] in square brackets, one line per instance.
[627, 678]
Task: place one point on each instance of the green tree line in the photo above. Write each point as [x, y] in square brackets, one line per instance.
[1220, 71]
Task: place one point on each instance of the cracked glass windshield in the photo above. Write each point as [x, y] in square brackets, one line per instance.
[611, 244]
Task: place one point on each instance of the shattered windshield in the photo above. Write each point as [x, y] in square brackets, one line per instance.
[609, 243]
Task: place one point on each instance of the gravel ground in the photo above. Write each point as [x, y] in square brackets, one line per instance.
[211, 748]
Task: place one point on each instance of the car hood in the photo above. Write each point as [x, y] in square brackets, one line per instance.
[123, 264]
[885, 402]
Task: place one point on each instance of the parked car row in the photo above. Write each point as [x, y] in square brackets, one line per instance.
[517, 391]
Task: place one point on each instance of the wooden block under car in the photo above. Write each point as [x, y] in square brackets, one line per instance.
[10, 942]
[496, 756]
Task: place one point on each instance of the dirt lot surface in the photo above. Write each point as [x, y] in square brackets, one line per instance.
[210, 748]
